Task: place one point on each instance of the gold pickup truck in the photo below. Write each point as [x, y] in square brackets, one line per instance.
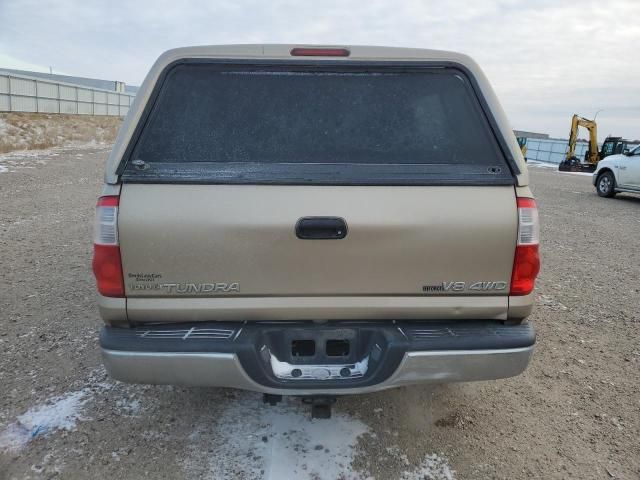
[307, 220]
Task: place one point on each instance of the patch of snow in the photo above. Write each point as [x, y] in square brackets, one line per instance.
[554, 166]
[254, 441]
[433, 467]
[25, 154]
[59, 413]
[584, 174]
[20, 159]
[129, 407]
[539, 164]
[55, 151]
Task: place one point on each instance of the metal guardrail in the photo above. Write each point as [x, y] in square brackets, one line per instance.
[21, 93]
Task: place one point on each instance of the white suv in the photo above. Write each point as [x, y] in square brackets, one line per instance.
[618, 173]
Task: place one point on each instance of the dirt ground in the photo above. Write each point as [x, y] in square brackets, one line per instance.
[24, 131]
[575, 413]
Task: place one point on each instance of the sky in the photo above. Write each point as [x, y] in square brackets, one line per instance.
[546, 59]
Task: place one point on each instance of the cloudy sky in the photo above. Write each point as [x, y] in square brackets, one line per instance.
[546, 58]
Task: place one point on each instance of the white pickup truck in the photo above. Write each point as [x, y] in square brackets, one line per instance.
[618, 173]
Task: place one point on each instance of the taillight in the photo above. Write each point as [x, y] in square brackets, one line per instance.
[320, 52]
[107, 265]
[526, 263]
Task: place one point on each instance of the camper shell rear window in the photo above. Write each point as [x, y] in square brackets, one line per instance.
[212, 122]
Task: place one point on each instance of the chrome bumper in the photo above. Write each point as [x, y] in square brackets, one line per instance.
[225, 369]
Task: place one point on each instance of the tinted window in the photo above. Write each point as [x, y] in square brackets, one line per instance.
[607, 148]
[204, 114]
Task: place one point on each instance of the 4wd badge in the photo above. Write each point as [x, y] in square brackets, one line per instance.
[464, 286]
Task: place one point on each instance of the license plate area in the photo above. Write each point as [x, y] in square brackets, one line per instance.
[318, 345]
[317, 353]
[337, 348]
[303, 348]
[288, 371]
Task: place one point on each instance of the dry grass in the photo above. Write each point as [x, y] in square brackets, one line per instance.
[28, 131]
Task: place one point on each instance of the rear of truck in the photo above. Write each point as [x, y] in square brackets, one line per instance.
[306, 220]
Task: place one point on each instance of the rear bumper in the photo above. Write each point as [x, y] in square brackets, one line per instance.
[242, 356]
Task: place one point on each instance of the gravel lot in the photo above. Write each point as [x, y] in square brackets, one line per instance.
[575, 413]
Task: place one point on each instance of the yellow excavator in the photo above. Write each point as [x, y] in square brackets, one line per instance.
[522, 141]
[611, 146]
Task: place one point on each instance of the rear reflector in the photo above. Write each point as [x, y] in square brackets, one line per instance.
[320, 52]
[107, 264]
[526, 263]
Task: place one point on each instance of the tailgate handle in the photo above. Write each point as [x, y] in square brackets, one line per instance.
[321, 228]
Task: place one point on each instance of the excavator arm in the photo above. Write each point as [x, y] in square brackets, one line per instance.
[571, 162]
[590, 125]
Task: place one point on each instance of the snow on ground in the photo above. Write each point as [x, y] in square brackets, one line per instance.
[59, 413]
[13, 161]
[554, 166]
[433, 468]
[537, 163]
[249, 440]
[25, 159]
[63, 412]
[253, 441]
[128, 407]
[584, 174]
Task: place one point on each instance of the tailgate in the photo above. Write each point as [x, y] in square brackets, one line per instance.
[229, 240]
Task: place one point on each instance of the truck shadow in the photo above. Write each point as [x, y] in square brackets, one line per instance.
[628, 197]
